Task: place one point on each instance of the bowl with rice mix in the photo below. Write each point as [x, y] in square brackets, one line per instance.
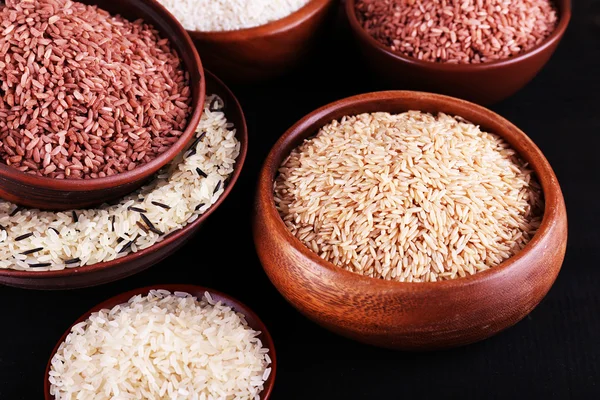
[193, 328]
[81, 248]
[409, 229]
[481, 51]
[95, 97]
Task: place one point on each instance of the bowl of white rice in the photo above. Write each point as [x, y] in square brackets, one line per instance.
[252, 40]
[410, 220]
[79, 248]
[180, 342]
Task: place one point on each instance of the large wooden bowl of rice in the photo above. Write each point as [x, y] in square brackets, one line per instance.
[423, 301]
[141, 229]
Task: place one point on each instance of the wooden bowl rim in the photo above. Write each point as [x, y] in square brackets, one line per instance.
[138, 173]
[554, 202]
[564, 16]
[194, 290]
[290, 21]
[241, 134]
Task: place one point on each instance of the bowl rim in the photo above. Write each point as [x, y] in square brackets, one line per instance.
[238, 306]
[553, 206]
[147, 169]
[241, 134]
[290, 21]
[564, 16]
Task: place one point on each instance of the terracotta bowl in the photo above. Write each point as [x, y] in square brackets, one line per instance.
[253, 322]
[105, 272]
[62, 194]
[266, 51]
[482, 83]
[410, 316]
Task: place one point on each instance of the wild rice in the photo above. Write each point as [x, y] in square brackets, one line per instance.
[409, 197]
[176, 197]
[161, 346]
[458, 31]
[84, 94]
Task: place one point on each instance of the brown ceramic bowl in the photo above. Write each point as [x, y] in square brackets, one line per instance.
[410, 316]
[266, 51]
[97, 274]
[253, 322]
[482, 83]
[62, 194]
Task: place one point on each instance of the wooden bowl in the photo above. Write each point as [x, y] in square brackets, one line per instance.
[253, 322]
[96, 274]
[410, 316]
[62, 194]
[486, 83]
[266, 51]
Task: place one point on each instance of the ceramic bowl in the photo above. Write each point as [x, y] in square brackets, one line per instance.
[252, 319]
[132, 263]
[410, 316]
[266, 51]
[63, 194]
[485, 83]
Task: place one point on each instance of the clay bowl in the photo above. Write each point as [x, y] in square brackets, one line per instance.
[97, 274]
[63, 194]
[410, 316]
[482, 83]
[253, 322]
[266, 51]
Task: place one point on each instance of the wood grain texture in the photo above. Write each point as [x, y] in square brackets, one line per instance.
[252, 319]
[133, 263]
[266, 51]
[486, 83]
[410, 316]
[62, 194]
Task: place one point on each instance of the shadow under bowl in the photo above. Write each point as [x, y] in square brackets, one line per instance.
[410, 316]
[252, 319]
[63, 194]
[485, 83]
[97, 274]
[266, 51]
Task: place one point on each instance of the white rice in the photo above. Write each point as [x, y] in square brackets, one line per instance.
[92, 239]
[229, 15]
[161, 346]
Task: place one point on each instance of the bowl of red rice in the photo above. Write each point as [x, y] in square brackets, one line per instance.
[95, 98]
[409, 220]
[481, 51]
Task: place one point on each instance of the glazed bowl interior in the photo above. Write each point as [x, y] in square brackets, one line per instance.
[64, 193]
[252, 319]
[397, 102]
[564, 16]
[95, 274]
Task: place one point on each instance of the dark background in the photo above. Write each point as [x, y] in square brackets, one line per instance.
[553, 353]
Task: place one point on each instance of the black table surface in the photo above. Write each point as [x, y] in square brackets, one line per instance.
[552, 353]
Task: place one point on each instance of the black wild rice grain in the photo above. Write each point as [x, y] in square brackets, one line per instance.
[151, 225]
[166, 207]
[40, 265]
[75, 217]
[127, 246]
[56, 231]
[217, 187]
[136, 209]
[112, 221]
[142, 226]
[72, 261]
[199, 206]
[16, 210]
[201, 173]
[25, 236]
[119, 240]
[28, 252]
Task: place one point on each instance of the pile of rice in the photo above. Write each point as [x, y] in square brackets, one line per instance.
[229, 15]
[410, 197]
[42, 240]
[161, 346]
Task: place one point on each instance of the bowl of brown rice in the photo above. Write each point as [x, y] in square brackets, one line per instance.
[197, 344]
[95, 98]
[409, 220]
[481, 51]
[87, 247]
